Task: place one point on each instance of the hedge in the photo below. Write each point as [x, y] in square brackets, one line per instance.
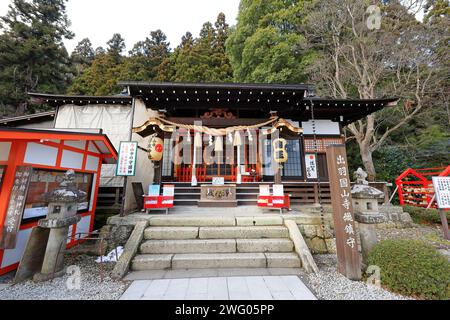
[412, 268]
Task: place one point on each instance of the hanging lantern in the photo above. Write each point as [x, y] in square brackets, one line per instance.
[198, 140]
[237, 139]
[280, 154]
[218, 147]
[155, 148]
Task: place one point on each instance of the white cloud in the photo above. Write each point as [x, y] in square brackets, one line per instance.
[134, 19]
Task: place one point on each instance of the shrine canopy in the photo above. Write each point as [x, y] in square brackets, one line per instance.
[295, 102]
[101, 143]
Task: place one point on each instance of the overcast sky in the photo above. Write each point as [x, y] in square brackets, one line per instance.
[134, 19]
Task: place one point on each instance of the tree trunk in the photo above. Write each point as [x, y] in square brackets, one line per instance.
[366, 156]
[20, 110]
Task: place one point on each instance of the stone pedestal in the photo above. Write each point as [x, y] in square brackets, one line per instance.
[368, 236]
[62, 213]
[53, 263]
[365, 203]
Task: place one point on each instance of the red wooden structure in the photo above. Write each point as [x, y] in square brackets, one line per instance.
[50, 152]
[415, 188]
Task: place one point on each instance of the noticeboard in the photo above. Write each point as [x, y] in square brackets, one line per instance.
[442, 191]
[16, 207]
[126, 163]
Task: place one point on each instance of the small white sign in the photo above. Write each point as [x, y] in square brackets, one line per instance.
[169, 190]
[311, 166]
[278, 190]
[218, 181]
[442, 191]
[264, 190]
[126, 163]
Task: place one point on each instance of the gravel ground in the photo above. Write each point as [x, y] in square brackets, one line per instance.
[328, 284]
[91, 286]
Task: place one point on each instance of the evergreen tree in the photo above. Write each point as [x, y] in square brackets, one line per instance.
[82, 55]
[202, 59]
[32, 53]
[265, 46]
[116, 46]
[146, 57]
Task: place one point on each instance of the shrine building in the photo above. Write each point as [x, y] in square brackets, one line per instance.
[236, 125]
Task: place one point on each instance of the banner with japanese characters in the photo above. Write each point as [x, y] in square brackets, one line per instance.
[126, 163]
[349, 263]
[311, 166]
[15, 207]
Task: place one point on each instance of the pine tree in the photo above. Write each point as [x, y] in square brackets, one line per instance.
[32, 53]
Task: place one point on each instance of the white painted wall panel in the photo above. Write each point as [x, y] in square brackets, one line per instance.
[323, 127]
[76, 144]
[83, 226]
[40, 154]
[5, 147]
[94, 187]
[12, 256]
[92, 163]
[73, 160]
[92, 147]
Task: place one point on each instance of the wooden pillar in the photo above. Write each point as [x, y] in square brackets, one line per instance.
[349, 261]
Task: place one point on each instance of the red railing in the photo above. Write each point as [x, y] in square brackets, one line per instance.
[414, 186]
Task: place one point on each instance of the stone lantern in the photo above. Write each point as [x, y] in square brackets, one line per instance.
[365, 203]
[62, 213]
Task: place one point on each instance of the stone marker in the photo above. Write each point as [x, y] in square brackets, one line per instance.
[62, 213]
[365, 202]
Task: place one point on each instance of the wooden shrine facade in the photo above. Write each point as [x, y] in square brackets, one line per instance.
[310, 124]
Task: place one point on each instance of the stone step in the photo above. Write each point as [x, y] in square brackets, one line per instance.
[151, 262]
[170, 233]
[190, 221]
[216, 246]
[189, 246]
[215, 260]
[264, 245]
[283, 260]
[243, 232]
[219, 260]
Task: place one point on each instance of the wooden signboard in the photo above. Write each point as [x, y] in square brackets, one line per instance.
[15, 207]
[349, 262]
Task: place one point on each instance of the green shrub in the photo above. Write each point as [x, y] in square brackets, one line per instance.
[423, 215]
[412, 268]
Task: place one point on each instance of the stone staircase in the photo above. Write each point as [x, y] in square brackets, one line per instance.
[212, 242]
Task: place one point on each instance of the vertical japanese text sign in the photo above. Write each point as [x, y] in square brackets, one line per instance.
[15, 207]
[442, 192]
[349, 263]
[126, 163]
